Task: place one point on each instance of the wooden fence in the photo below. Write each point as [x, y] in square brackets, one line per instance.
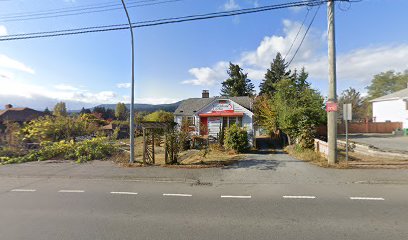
[364, 127]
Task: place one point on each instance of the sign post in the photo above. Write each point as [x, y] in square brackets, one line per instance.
[347, 115]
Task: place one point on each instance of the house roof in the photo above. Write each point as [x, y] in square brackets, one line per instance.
[402, 94]
[190, 106]
[19, 114]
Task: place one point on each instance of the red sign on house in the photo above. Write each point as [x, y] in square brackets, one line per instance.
[223, 106]
[331, 106]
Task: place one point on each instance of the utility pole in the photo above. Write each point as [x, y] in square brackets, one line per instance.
[132, 100]
[332, 115]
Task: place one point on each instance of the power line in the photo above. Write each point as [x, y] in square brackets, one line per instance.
[162, 21]
[88, 10]
[77, 8]
[297, 34]
[304, 36]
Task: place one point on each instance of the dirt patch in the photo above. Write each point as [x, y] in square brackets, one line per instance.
[207, 158]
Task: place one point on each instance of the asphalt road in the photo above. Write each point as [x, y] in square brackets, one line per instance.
[76, 207]
[385, 142]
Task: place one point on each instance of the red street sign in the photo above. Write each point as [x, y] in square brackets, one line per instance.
[331, 107]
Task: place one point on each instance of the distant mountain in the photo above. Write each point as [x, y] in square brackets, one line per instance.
[141, 107]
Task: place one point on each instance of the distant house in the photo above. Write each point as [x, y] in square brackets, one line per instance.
[16, 115]
[19, 115]
[392, 108]
[207, 116]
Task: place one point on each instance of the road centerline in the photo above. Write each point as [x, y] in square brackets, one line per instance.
[237, 196]
[23, 190]
[177, 195]
[298, 197]
[124, 193]
[71, 191]
[368, 198]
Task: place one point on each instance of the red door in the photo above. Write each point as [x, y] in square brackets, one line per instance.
[203, 125]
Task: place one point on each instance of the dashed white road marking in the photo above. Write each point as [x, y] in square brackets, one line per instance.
[233, 196]
[368, 198]
[124, 193]
[71, 191]
[177, 195]
[300, 197]
[23, 190]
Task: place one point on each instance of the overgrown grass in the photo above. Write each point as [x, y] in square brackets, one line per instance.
[309, 155]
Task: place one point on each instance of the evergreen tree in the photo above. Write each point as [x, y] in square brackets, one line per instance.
[273, 75]
[84, 111]
[60, 110]
[238, 83]
[47, 111]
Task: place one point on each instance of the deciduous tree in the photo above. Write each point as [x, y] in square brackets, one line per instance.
[60, 110]
[386, 83]
[121, 111]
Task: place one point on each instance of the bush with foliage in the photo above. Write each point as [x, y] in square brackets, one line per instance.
[159, 116]
[54, 129]
[236, 138]
[96, 148]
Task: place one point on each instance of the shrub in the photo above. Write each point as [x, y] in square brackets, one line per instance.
[51, 128]
[96, 148]
[236, 138]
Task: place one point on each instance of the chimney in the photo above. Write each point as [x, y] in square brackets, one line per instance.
[8, 106]
[205, 94]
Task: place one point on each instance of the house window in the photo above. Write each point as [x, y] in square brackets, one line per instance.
[239, 121]
[229, 121]
[190, 120]
[232, 120]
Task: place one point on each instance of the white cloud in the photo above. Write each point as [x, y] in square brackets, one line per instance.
[256, 62]
[7, 62]
[360, 64]
[355, 65]
[6, 74]
[230, 5]
[271, 45]
[156, 100]
[124, 85]
[37, 96]
[66, 87]
[3, 30]
[206, 76]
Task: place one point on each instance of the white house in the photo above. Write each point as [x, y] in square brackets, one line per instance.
[392, 108]
[207, 116]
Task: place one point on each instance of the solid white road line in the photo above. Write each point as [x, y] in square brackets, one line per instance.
[23, 190]
[300, 197]
[232, 196]
[177, 195]
[124, 193]
[368, 198]
[71, 191]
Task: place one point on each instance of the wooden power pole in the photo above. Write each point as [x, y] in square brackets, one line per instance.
[332, 97]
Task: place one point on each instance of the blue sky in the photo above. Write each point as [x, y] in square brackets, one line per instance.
[175, 62]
